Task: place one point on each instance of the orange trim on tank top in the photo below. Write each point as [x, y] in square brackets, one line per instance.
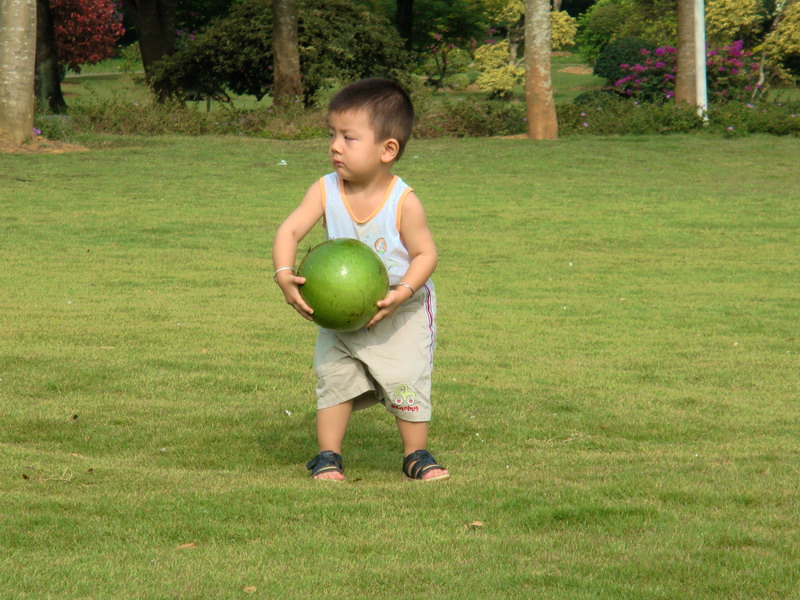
[400, 202]
[324, 199]
[376, 211]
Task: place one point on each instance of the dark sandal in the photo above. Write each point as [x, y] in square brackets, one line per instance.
[416, 464]
[324, 462]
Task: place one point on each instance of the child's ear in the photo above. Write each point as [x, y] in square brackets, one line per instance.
[391, 148]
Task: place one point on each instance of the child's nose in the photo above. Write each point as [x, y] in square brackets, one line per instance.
[335, 145]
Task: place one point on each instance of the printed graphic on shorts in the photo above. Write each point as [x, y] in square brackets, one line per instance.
[381, 246]
[405, 399]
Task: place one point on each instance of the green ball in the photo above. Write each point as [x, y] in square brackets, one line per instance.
[345, 279]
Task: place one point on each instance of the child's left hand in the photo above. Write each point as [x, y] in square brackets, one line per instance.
[389, 304]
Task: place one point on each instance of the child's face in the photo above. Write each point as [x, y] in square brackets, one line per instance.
[355, 153]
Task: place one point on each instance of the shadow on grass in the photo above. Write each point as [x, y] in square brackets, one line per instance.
[372, 442]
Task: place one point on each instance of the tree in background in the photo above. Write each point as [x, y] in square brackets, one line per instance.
[445, 31]
[685, 78]
[194, 15]
[48, 68]
[498, 62]
[339, 41]
[541, 109]
[71, 33]
[85, 30]
[17, 63]
[288, 84]
[404, 20]
[154, 22]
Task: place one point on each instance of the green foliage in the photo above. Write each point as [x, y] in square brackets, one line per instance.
[458, 81]
[441, 62]
[735, 119]
[194, 15]
[609, 114]
[343, 41]
[729, 20]
[654, 20]
[621, 51]
[563, 29]
[599, 25]
[619, 116]
[442, 23]
[234, 53]
[338, 40]
[782, 46]
[471, 117]
[131, 56]
[497, 77]
[114, 116]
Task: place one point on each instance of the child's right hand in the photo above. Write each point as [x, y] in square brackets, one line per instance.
[290, 285]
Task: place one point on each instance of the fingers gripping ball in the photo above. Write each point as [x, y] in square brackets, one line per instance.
[344, 281]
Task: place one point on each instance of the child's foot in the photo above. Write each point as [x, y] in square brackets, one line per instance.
[421, 466]
[331, 475]
[326, 465]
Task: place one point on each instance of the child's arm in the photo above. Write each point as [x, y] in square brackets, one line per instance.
[418, 240]
[284, 249]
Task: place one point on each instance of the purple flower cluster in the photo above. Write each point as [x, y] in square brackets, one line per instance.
[731, 73]
[653, 78]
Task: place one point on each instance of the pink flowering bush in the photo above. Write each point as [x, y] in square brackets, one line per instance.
[731, 72]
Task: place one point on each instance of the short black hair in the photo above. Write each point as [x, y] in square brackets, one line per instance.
[391, 113]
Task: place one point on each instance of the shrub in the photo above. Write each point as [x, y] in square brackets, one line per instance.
[731, 75]
[131, 56]
[470, 117]
[627, 117]
[497, 77]
[738, 119]
[176, 118]
[234, 53]
[563, 29]
[458, 81]
[338, 40]
[599, 25]
[728, 20]
[652, 78]
[782, 46]
[619, 52]
[85, 31]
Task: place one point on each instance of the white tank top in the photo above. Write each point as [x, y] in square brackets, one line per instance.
[380, 231]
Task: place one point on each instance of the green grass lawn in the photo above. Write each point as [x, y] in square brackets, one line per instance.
[616, 390]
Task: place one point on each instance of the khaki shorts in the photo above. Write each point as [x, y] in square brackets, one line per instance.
[390, 363]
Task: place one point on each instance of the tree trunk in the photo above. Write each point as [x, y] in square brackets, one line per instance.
[48, 71]
[154, 22]
[541, 110]
[686, 77]
[286, 54]
[17, 65]
[405, 20]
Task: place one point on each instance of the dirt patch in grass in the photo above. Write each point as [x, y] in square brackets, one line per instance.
[37, 145]
[577, 70]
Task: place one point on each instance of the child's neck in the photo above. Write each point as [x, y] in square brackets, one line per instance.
[370, 192]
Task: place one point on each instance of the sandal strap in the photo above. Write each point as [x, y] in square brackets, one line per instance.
[419, 462]
[325, 461]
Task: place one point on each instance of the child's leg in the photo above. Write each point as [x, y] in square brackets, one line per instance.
[331, 427]
[415, 437]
